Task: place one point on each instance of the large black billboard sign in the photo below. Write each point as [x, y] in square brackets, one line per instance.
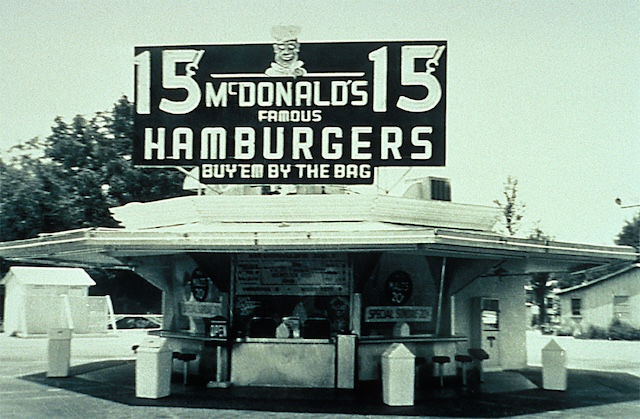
[322, 113]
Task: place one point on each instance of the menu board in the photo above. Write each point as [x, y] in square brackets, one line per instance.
[292, 274]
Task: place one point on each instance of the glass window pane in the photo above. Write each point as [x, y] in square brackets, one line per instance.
[576, 306]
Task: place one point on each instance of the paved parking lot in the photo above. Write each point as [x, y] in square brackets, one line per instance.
[583, 354]
[102, 385]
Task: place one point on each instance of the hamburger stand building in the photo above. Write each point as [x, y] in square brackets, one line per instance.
[308, 289]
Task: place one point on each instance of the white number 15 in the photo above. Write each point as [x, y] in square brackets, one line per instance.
[408, 77]
[170, 80]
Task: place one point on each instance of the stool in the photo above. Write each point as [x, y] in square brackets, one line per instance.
[463, 361]
[441, 360]
[479, 355]
[185, 358]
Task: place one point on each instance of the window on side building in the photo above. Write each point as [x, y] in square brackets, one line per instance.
[576, 306]
[621, 307]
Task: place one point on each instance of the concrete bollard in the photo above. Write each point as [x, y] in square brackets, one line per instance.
[398, 376]
[554, 367]
[59, 352]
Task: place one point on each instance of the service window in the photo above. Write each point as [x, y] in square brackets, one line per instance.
[291, 295]
[490, 314]
[576, 307]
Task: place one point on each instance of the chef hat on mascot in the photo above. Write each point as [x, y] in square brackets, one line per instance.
[285, 33]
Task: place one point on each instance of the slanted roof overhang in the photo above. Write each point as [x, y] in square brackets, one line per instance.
[29, 275]
[301, 223]
[113, 246]
[305, 209]
[599, 280]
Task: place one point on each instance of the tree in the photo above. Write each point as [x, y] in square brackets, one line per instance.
[512, 208]
[32, 200]
[630, 233]
[86, 169]
[539, 281]
[513, 212]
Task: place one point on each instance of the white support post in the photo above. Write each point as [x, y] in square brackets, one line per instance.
[111, 314]
[440, 295]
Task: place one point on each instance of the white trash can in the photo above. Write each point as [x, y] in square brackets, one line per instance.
[153, 369]
[398, 376]
[554, 367]
[59, 352]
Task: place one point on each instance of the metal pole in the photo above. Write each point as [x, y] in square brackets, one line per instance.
[440, 295]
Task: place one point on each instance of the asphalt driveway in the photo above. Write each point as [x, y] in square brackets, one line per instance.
[103, 376]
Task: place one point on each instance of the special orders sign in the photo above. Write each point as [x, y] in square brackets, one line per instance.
[291, 112]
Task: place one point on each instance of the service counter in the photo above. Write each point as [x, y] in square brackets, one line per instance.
[189, 336]
[302, 362]
[293, 362]
[411, 338]
[370, 349]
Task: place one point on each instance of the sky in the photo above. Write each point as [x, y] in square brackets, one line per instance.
[544, 91]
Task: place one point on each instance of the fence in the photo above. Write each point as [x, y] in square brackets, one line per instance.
[84, 315]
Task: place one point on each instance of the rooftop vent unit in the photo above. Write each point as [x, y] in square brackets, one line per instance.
[429, 188]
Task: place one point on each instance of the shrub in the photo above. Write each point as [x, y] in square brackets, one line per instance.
[622, 331]
[564, 330]
[596, 332]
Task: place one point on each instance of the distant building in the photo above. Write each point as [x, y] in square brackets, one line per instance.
[600, 299]
[42, 298]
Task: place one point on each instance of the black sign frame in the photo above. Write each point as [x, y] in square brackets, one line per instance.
[354, 106]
